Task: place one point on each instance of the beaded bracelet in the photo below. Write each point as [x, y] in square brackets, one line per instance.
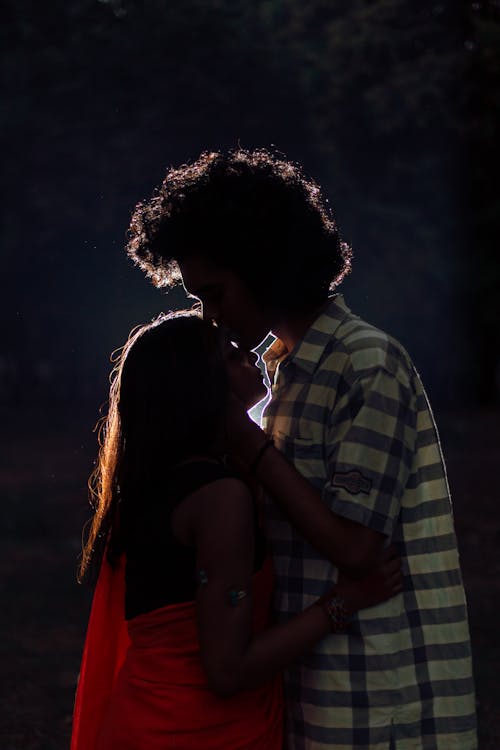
[335, 608]
[263, 448]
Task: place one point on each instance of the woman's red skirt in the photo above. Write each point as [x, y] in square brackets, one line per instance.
[142, 685]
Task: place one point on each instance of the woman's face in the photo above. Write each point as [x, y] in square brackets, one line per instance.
[245, 378]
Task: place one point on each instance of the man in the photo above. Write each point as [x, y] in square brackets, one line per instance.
[356, 459]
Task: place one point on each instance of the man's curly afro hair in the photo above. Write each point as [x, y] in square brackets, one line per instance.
[251, 212]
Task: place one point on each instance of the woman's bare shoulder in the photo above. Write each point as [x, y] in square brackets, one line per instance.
[225, 499]
[222, 493]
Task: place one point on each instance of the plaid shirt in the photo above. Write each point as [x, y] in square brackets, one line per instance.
[349, 411]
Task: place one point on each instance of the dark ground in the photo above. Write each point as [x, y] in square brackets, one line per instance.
[44, 611]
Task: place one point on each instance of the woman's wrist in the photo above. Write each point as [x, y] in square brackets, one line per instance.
[336, 609]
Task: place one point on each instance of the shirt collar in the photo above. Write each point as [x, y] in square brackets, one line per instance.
[308, 352]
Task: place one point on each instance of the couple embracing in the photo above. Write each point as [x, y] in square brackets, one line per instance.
[293, 586]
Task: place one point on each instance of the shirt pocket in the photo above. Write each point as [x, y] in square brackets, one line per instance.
[307, 455]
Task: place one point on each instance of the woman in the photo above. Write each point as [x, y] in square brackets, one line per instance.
[192, 659]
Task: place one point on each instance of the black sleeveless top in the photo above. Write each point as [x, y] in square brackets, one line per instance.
[160, 569]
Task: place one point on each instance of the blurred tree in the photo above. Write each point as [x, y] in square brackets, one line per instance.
[480, 141]
[392, 89]
[392, 104]
[105, 95]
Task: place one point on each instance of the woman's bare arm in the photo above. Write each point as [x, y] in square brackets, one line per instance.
[222, 529]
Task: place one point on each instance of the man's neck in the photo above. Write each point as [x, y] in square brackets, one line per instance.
[293, 329]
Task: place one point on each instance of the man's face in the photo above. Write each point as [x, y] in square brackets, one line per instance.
[227, 300]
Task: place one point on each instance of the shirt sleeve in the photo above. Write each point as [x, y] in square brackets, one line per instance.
[370, 447]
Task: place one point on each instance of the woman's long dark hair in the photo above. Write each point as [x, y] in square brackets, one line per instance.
[166, 403]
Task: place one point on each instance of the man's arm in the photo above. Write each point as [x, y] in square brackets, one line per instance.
[347, 544]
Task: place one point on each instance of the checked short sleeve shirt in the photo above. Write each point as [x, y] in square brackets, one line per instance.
[349, 411]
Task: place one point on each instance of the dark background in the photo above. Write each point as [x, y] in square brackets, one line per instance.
[392, 105]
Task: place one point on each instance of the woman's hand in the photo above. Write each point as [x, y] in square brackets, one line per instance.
[244, 437]
[384, 582]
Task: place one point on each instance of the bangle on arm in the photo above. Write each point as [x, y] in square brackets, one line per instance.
[263, 448]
